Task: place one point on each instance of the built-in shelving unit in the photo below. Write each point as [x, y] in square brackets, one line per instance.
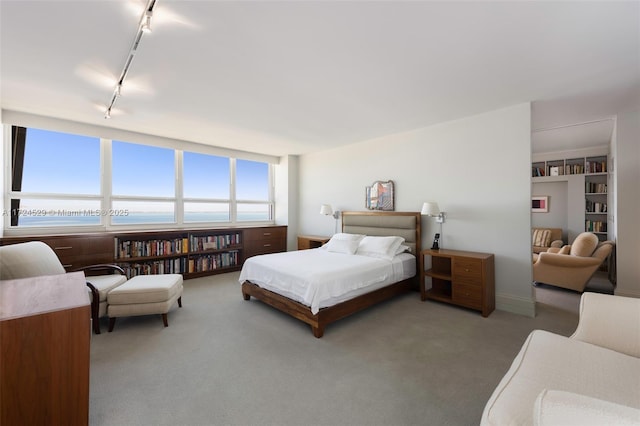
[594, 169]
[192, 253]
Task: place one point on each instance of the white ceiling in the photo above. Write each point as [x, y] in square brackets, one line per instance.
[292, 77]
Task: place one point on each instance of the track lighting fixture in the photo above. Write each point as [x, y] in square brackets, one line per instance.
[144, 27]
[146, 22]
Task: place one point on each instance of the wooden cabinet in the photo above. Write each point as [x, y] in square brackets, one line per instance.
[75, 251]
[461, 278]
[193, 253]
[45, 324]
[306, 242]
[265, 240]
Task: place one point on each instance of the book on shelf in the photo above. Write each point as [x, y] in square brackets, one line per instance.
[595, 188]
[595, 226]
[596, 167]
[148, 248]
[556, 171]
[595, 207]
[214, 242]
[209, 262]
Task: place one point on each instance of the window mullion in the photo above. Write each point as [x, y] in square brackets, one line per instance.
[179, 206]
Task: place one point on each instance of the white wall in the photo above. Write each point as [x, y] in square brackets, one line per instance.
[566, 204]
[557, 215]
[286, 197]
[476, 168]
[627, 172]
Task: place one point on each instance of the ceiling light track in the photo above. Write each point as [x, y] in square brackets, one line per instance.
[144, 27]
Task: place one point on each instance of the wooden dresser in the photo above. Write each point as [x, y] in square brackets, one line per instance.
[462, 278]
[264, 240]
[45, 324]
[75, 251]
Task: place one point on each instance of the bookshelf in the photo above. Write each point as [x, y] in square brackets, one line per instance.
[594, 169]
[570, 166]
[192, 253]
[214, 251]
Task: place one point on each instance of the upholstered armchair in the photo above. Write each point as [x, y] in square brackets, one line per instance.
[35, 258]
[572, 266]
[542, 239]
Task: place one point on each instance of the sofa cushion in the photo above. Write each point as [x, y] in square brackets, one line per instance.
[584, 244]
[541, 237]
[554, 407]
[551, 361]
[146, 289]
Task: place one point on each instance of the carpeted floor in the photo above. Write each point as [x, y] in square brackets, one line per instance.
[226, 361]
[569, 300]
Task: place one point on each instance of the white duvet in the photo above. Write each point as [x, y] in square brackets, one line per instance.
[319, 278]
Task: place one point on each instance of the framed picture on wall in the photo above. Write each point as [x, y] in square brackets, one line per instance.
[540, 204]
[380, 196]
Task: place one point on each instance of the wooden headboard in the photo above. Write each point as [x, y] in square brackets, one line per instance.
[383, 223]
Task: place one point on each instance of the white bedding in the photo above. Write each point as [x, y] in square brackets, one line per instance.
[318, 278]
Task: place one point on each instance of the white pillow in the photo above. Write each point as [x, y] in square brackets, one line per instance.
[403, 249]
[380, 247]
[344, 243]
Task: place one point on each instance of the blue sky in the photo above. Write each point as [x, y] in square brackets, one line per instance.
[70, 164]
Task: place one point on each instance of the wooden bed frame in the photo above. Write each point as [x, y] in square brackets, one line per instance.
[333, 313]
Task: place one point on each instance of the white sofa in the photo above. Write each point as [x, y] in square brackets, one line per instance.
[590, 378]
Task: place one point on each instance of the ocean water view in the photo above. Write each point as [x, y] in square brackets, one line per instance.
[134, 218]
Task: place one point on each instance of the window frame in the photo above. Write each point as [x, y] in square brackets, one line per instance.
[106, 197]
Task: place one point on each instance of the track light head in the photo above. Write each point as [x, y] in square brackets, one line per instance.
[146, 24]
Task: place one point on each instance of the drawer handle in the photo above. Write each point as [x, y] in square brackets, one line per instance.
[63, 248]
[67, 266]
[466, 269]
[267, 234]
[267, 245]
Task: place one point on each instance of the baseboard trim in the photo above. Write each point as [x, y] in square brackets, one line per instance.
[626, 294]
[516, 305]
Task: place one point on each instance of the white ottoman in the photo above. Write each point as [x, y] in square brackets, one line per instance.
[144, 295]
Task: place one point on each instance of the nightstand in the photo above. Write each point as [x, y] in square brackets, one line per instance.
[462, 278]
[311, 241]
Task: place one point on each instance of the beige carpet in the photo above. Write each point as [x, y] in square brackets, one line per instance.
[570, 300]
[226, 361]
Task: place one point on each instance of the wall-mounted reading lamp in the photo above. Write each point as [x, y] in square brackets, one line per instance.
[431, 209]
[326, 210]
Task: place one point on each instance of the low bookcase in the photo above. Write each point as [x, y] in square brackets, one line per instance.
[192, 253]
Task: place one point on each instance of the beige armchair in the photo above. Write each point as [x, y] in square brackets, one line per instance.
[35, 258]
[544, 238]
[572, 266]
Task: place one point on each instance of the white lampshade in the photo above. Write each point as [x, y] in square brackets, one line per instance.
[326, 209]
[430, 209]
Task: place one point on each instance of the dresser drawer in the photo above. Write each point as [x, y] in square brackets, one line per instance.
[467, 271]
[76, 252]
[467, 295]
[265, 240]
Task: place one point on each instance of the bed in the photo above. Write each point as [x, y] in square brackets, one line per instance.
[350, 284]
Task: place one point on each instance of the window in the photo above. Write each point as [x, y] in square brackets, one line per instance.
[206, 187]
[57, 180]
[252, 191]
[142, 172]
